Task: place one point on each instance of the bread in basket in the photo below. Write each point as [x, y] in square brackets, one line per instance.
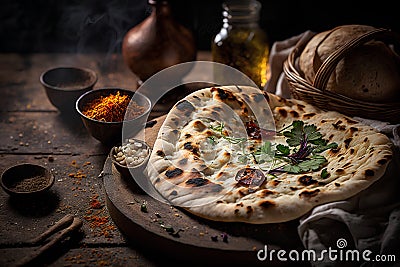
[353, 69]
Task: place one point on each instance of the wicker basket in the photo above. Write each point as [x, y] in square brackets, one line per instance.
[316, 94]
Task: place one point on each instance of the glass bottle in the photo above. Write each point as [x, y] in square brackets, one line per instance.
[241, 43]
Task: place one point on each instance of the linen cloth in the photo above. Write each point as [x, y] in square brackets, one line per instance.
[369, 220]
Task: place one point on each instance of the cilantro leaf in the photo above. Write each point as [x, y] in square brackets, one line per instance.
[312, 164]
[296, 134]
[322, 148]
[325, 173]
[284, 150]
[292, 168]
[311, 133]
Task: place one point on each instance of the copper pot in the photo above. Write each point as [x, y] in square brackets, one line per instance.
[157, 43]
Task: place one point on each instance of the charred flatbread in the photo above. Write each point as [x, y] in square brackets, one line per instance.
[214, 158]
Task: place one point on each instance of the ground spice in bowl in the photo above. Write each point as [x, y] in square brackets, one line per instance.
[26, 179]
[112, 108]
[34, 183]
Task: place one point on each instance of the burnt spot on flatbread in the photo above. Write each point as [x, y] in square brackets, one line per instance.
[337, 184]
[173, 193]
[353, 129]
[199, 126]
[220, 174]
[223, 94]
[266, 204]
[369, 172]
[175, 121]
[217, 109]
[293, 188]
[301, 107]
[196, 97]
[340, 171]
[331, 136]
[207, 171]
[348, 164]
[350, 121]
[249, 210]
[183, 162]
[160, 153]
[188, 135]
[306, 180]
[352, 151]
[338, 125]
[243, 192]
[186, 107]
[382, 161]
[258, 97]
[197, 181]
[157, 180]
[334, 151]
[340, 159]
[266, 96]
[323, 121]
[191, 147]
[245, 111]
[173, 173]
[347, 142]
[240, 204]
[282, 112]
[294, 114]
[215, 115]
[274, 182]
[266, 192]
[308, 115]
[309, 193]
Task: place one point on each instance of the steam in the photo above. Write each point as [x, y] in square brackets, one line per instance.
[100, 26]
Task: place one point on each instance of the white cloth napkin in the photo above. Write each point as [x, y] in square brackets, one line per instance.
[368, 221]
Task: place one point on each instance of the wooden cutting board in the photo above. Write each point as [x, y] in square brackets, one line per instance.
[161, 229]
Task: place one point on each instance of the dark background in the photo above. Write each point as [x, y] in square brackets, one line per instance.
[99, 26]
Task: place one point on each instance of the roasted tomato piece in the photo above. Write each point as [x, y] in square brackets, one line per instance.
[250, 177]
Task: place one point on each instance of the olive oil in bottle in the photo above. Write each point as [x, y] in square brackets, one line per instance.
[241, 43]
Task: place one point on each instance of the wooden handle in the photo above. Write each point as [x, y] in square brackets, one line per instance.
[325, 70]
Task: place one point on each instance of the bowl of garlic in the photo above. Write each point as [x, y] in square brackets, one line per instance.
[130, 158]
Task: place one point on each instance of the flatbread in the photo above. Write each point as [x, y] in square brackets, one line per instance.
[200, 178]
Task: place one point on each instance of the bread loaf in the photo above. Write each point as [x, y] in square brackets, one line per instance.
[370, 72]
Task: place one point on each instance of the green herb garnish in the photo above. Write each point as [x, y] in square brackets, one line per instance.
[220, 130]
[301, 154]
[305, 143]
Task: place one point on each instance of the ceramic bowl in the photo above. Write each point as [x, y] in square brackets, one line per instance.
[64, 85]
[129, 170]
[26, 179]
[110, 133]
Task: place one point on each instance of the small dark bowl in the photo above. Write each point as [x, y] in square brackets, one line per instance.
[110, 133]
[125, 170]
[64, 85]
[26, 179]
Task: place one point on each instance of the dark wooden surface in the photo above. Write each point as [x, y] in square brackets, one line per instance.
[32, 130]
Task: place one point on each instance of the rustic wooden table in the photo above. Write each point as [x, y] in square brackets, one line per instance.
[32, 130]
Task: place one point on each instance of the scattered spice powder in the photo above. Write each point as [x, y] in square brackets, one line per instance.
[112, 108]
[95, 203]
